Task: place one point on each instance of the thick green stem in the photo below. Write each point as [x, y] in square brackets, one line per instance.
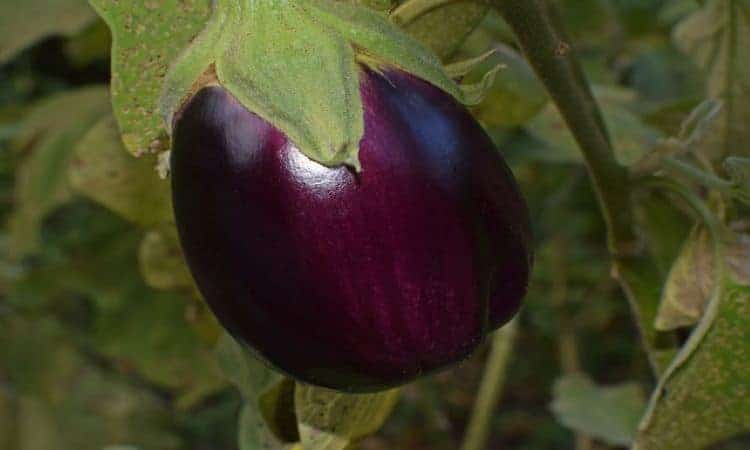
[542, 39]
[489, 391]
[541, 36]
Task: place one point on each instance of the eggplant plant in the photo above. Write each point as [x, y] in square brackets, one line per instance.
[329, 204]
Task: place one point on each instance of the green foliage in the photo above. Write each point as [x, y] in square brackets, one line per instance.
[717, 36]
[62, 401]
[48, 135]
[607, 413]
[105, 345]
[23, 22]
[456, 20]
[705, 398]
[102, 170]
[146, 41]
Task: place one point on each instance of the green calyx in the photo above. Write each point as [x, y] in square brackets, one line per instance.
[296, 63]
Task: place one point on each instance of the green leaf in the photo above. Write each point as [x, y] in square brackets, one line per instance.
[331, 420]
[371, 32]
[147, 38]
[103, 171]
[516, 95]
[607, 413]
[704, 398]
[47, 138]
[631, 137]
[24, 22]
[717, 37]
[444, 28]
[294, 64]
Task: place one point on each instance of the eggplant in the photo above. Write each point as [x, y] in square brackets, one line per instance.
[352, 280]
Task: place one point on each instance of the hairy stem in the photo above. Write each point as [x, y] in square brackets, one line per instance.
[488, 396]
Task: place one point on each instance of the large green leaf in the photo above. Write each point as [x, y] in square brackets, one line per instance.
[717, 37]
[47, 138]
[706, 397]
[24, 22]
[147, 38]
[608, 413]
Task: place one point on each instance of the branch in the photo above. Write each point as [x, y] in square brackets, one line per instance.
[548, 50]
[541, 36]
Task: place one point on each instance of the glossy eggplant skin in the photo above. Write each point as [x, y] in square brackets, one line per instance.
[352, 281]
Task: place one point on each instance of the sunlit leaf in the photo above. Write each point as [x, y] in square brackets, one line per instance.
[147, 37]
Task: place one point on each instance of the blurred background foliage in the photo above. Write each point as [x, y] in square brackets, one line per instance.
[105, 344]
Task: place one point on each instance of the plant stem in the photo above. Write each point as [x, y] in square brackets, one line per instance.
[493, 379]
[541, 36]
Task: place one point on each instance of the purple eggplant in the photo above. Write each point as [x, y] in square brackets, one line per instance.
[356, 281]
